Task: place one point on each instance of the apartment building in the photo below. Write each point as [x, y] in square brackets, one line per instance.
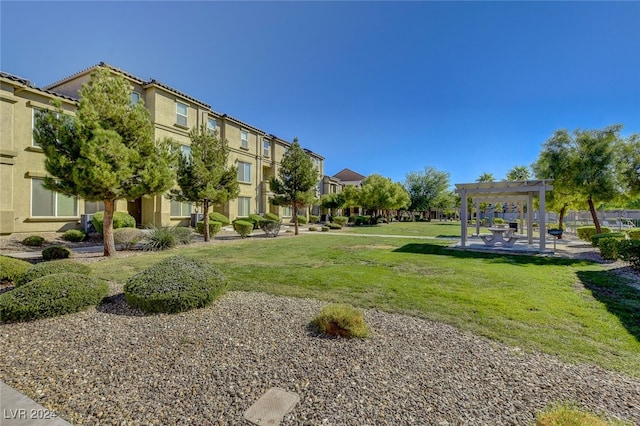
[26, 207]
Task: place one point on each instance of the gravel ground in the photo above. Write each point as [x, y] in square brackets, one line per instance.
[112, 365]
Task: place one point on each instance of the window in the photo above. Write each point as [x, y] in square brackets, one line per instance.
[36, 115]
[266, 148]
[135, 98]
[49, 203]
[93, 206]
[180, 209]
[185, 150]
[244, 206]
[286, 211]
[244, 172]
[316, 163]
[244, 139]
[211, 125]
[182, 112]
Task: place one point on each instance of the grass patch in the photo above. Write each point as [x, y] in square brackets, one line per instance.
[414, 229]
[573, 309]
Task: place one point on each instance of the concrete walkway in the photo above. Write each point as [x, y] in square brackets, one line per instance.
[17, 409]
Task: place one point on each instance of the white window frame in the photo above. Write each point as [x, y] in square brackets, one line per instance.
[184, 116]
[185, 208]
[212, 124]
[266, 148]
[55, 201]
[243, 167]
[244, 206]
[286, 211]
[244, 139]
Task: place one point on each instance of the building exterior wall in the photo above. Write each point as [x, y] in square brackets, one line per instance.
[20, 162]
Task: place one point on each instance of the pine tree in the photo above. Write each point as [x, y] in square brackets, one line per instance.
[297, 183]
[107, 152]
[203, 174]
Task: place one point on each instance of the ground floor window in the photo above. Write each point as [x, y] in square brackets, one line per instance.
[49, 203]
[244, 206]
[181, 209]
[286, 211]
[93, 207]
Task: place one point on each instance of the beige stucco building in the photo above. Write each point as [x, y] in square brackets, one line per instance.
[26, 207]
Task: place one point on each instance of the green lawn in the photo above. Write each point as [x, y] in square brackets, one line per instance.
[417, 229]
[572, 309]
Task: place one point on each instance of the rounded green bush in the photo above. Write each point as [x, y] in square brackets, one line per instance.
[33, 241]
[11, 269]
[120, 220]
[597, 238]
[127, 237]
[301, 220]
[54, 267]
[314, 228]
[51, 295]
[331, 225]
[219, 217]
[242, 227]
[272, 216]
[173, 285]
[634, 234]
[586, 232]
[609, 248]
[313, 218]
[183, 234]
[214, 227]
[256, 219]
[325, 229]
[74, 235]
[341, 321]
[56, 252]
[340, 220]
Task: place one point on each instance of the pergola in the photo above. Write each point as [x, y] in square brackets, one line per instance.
[494, 192]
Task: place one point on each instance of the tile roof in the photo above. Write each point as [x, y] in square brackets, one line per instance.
[27, 83]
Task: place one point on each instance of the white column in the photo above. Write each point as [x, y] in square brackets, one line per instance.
[543, 219]
[477, 203]
[530, 218]
[463, 217]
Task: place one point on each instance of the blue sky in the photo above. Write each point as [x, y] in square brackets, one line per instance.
[377, 87]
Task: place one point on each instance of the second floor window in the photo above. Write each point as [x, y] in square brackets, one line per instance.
[266, 148]
[182, 112]
[211, 125]
[244, 172]
[244, 139]
[135, 98]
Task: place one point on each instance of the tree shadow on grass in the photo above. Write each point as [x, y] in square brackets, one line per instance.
[510, 258]
[621, 299]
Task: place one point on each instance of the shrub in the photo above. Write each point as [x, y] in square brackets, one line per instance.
[634, 234]
[313, 218]
[242, 227]
[175, 284]
[33, 241]
[272, 216]
[56, 252]
[49, 268]
[609, 248]
[325, 229]
[629, 251]
[11, 269]
[184, 235]
[499, 220]
[74, 235]
[214, 227]
[586, 232]
[52, 295]
[314, 228]
[568, 415]
[270, 227]
[120, 220]
[256, 219]
[340, 220]
[301, 220]
[127, 237]
[160, 238]
[219, 217]
[341, 320]
[333, 225]
[360, 220]
[595, 239]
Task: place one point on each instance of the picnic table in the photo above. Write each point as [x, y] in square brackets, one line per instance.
[500, 235]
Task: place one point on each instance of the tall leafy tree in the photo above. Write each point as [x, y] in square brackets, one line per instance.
[426, 189]
[628, 166]
[518, 173]
[107, 152]
[486, 177]
[297, 181]
[204, 177]
[380, 193]
[333, 202]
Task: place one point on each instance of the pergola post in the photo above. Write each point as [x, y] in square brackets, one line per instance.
[477, 203]
[543, 221]
[463, 217]
[530, 219]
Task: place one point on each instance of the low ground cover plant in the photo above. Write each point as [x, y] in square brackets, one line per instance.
[33, 241]
[173, 285]
[166, 237]
[54, 267]
[11, 269]
[74, 235]
[51, 295]
[120, 220]
[56, 252]
[127, 238]
[570, 415]
[340, 320]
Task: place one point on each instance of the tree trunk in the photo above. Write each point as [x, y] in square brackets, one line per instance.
[107, 229]
[594, 216]
[563, 210]
[295, 217]
[205, 219]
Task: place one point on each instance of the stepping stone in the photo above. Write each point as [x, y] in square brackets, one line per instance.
[271, 408]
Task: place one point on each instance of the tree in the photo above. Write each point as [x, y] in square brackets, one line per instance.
[203, 174]
[332, 202]
[628, 166]
[107, 153]
[486, 177]
[297, 183]
[380, 193]
[426, 189]
[582, 165]
[518, 173]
